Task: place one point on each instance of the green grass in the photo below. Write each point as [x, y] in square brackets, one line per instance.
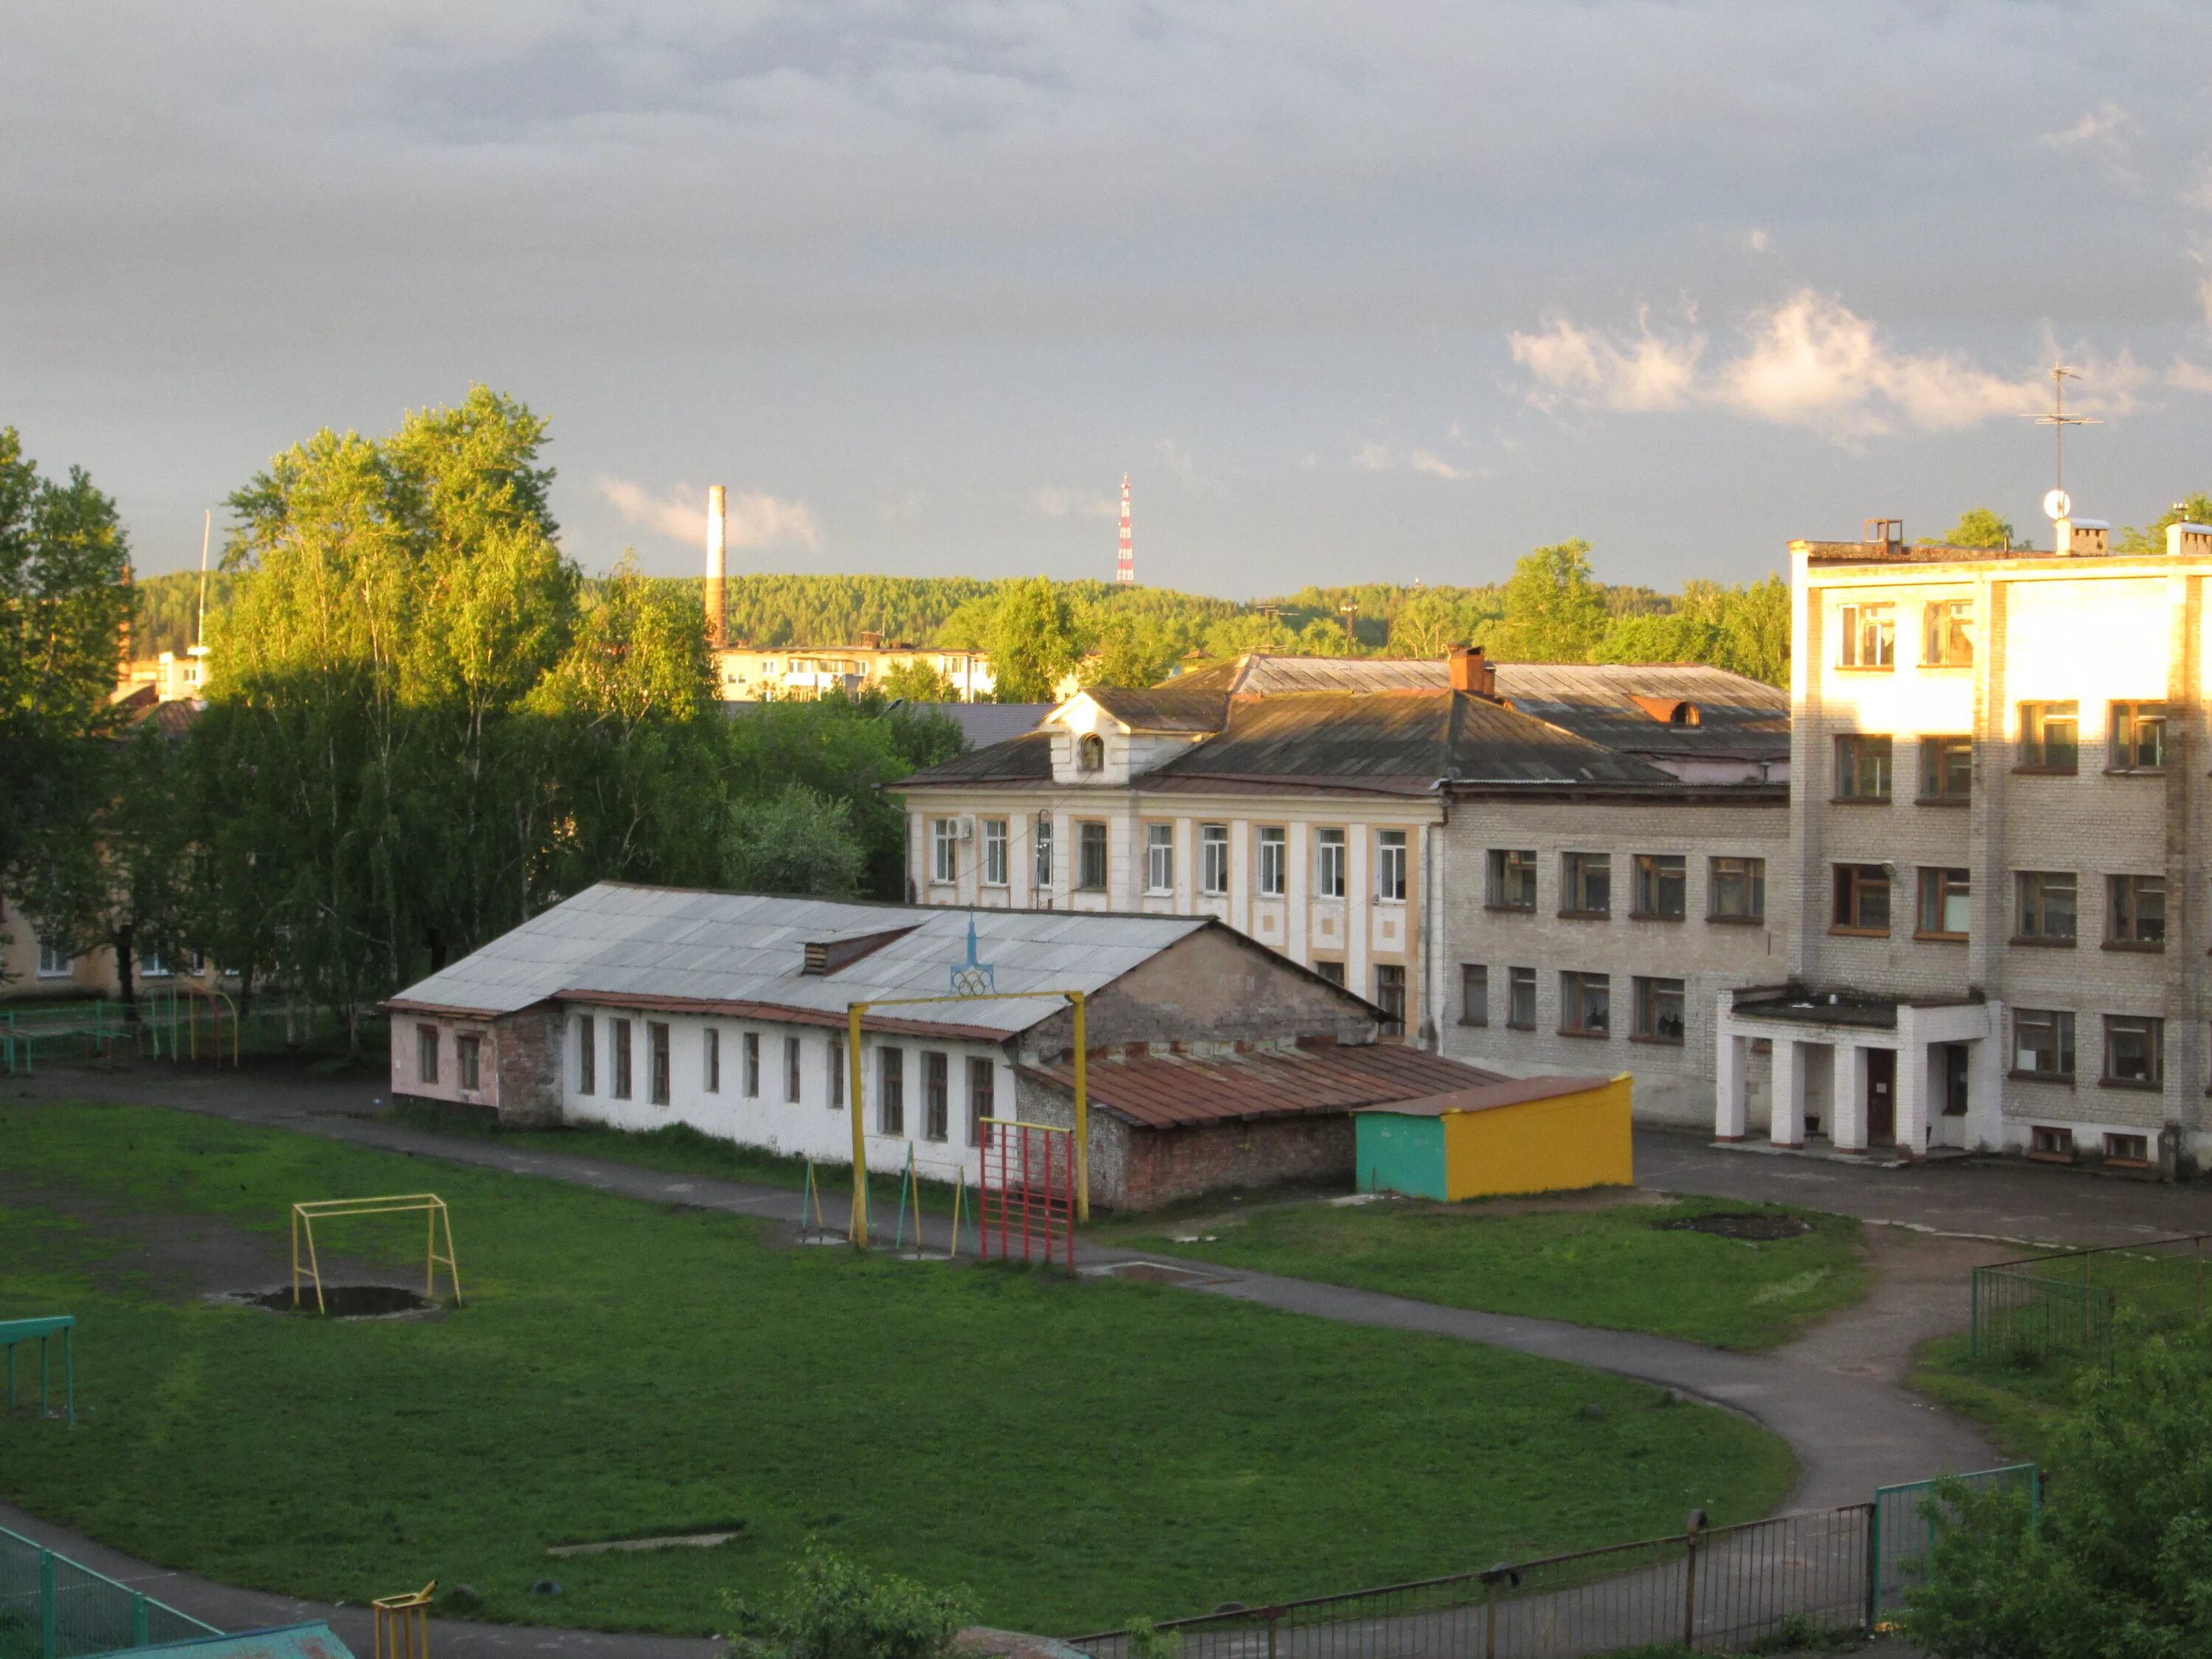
[2016, 1401]
[1075, 1453]
[1614, 1267]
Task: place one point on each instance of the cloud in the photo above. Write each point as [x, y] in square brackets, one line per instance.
[752, 519]
[1808, 362]
[1424, 460]
[1373, 457]
[1758, 242]
[1180, 460]
[2106, 135]
[1056, 503]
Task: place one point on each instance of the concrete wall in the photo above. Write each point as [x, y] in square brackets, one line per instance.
[1673, 1081]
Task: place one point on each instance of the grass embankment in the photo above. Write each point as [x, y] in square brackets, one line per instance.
[1623, 1267]
[1076, 1453]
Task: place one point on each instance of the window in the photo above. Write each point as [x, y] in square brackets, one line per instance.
[945, 849]
[2127, 1149]
[710, 1060]
[1274, 860]
[1159, 858]
[656, 1051]
[836, 1048]
[1328, 864]
[1331, 971]
[150, 966]
[1868, 636]
[2135, 910]
[1090, 753]
[995, 862]
[1390, 866]
[1739, 889]
[1213, 859]
[1659, 1010]
[1521, 998]
[936, 1096]
[1586, 884]
[1947, 768]
[1862, 898]
[1950, 642]
[426, 1053]
[618, 1040]
[1946, 900]
[2049, 735]
[982, 1086]
[1044, 839]
[748, 1049]
[468, 1060]
[2138, 737]
[791, 1090]
[54, 962]
[1585, 1003]
[891, 1091]
[1512, 879]
[2042, 1042]
[1091, 856]
[1862, 767]
[2135, 1051]
[1474, 994]
[1390, 997]
[587, 1054]
[1662, 882]
[2046, 905]
[2047, 1141]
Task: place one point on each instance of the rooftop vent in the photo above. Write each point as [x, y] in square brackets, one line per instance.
[827, 956]
[1669, 711]
[1472, 670]
[2193, 539]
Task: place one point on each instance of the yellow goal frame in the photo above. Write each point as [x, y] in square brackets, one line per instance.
[307, 1213]
[859, 1233]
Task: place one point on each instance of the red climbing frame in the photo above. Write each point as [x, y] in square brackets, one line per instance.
[1027, 1196]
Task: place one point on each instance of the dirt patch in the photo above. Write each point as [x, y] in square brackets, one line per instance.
[1748, 1224]
[341, 1301]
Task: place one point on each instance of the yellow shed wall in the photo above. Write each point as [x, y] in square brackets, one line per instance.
[1559, 1145]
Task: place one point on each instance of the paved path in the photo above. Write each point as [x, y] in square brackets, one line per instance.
[1851, 1427]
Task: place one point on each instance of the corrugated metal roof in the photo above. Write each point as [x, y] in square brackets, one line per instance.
[986, 723]
[1511, 1091]
[1736, 715]
[1170, 1091]
[683, 945]
[1175, 706]
[1025, 759]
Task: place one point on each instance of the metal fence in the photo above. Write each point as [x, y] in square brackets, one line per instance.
[52, 1607]
[2063, 1303]
[1718, 1589]
[1905, 1521]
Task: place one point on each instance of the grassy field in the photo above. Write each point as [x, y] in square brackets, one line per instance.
[2015, 1400]
[1622, 1268]
[1076, 1453]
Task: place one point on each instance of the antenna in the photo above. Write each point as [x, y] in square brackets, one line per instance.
[1125, 564]
[2057, 504]
[207, 532]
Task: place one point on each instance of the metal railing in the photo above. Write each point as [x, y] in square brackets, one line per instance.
[2063, 1302]
[1715, 1590]
[52, 1607]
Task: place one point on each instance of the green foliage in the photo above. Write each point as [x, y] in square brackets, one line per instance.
[1148, 1641]
[1555, 611]
[1033, 639]
[165, 610]
[2119, 1564]
[794, 842]
[1977, 527]
[2196, 508]
[838, 1609]
[919, 682]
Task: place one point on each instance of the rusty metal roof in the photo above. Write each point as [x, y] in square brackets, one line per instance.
[1166, 1091]
[1622, 706]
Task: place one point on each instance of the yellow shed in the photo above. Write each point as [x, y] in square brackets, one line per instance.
[1534, 1135]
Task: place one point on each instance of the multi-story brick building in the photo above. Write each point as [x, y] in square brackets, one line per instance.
[1348, 814]
[1996, 850]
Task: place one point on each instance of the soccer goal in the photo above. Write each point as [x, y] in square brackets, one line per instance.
[429, 1205]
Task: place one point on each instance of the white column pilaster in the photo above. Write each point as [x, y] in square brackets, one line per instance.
[1850, 1096]
[1788, 1128]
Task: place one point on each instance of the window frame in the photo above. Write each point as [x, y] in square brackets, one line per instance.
[1650, 993]
[1648, 875]
[1853, 641]
[1938, 884]
[1214, 860]
[997, 862]
[943, 852]
[2153, 1033]
[710, 1060]
[1520, 982]
[794, 1080]
[936, 1095]
[2036, 718]
[1580, 995]
[2124, 744]
[1091, 835]
[2059, 1022]
[1854, 880]
[1332, 861]
[1752, 878]
[587, 1054]
[2038, 909]
[2123, 912]
[1090, 752]
[623, 1081]
[1857, 754]
[1040, 853]
[1332, 970]
[1577, 871]
[890, 1089]
[1390, 996]
[54, 963]
[1159, 859]
[1938, 757]
[468, 1062]
[1274, 845]
[1938, 643]
[1475, 993]
[426, 1053]
[1393, 853]
[981, 1104]
[834, 1047]
[657, 1067]
[1506, 866]
[748, 1064]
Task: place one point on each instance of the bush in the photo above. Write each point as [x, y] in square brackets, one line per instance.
[838, 1609]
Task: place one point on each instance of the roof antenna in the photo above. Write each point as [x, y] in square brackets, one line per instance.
[207, 533]
[2057, 504]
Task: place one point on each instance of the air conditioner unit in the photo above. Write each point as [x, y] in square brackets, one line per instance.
[967, 829]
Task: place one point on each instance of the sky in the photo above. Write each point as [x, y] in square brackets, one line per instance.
[1353, 293]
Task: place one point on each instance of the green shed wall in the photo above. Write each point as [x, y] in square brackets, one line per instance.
[1402, 1155]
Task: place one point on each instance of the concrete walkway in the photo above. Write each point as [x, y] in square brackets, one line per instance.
[1851, 1428]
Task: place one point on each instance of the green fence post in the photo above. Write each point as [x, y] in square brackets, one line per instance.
[138, 1620]
[1974, 1324]
[50, 1628]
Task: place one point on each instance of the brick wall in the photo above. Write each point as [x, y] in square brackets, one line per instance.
[528, 1053]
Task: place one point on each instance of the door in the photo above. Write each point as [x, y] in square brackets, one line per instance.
[1881, 1097]
[1951, 1060]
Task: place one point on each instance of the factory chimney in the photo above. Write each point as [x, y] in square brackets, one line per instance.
[717, 570]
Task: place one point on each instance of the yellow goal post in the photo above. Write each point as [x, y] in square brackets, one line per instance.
[429, 1205]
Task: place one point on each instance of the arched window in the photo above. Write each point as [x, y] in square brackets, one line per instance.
[1090, 752]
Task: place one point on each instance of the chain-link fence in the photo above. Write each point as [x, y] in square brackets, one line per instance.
[2063, 1303]
[52, 1607]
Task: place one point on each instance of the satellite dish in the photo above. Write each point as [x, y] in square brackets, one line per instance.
[2057, 504]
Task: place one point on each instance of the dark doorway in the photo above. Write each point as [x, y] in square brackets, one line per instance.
[1954, 1079]
[1881, 1097]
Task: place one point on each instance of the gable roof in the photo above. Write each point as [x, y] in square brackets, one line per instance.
[673, 947]
[1164, 1092]
[1174, 706]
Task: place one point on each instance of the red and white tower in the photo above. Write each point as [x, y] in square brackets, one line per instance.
[1125, 566]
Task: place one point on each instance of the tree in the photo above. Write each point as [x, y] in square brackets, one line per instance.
[1979, 527]
[2194, 509]
[1669, 637]
[919, 682]
[1032, 640]
[794, 842]
[1128, 649]
[64, 565]
[1555, 610]
[1424, 626]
